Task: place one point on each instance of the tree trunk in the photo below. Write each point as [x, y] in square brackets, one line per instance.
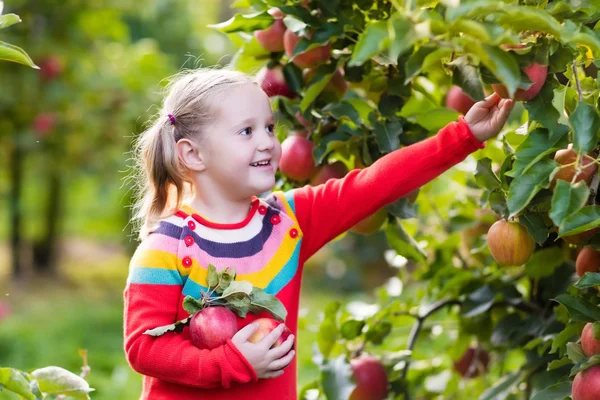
[46, 249]
[16, 178]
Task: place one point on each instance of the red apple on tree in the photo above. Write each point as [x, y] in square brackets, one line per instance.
[568, 156]
[588, 260]
[271, 39]
[212, 326]
[44, 123]
[50, 68]
[537, 74]
[297, 161]
[330, 171]
[473, 362]
[589, 343]
[510, 243]
[272, 82]
[370, 224]
[370, 377]
[458, 100]
[586, 385]
[265, 326]
[307, 59]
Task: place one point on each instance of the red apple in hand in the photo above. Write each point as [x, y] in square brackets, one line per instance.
[297, 161]
[273, 83]
[537, 74]
[510, 243]
[371, 224]
[568, 156]
[271, 39]
[471, 364]
[311, 58]
[586, 385]
[371, 379]
[265, 326]
[331, 171]
[588, 260]
[212, 326]
[458, 100]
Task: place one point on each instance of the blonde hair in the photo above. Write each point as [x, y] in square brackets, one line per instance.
[159, 178]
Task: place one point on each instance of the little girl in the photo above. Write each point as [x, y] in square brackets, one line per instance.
[214, 140]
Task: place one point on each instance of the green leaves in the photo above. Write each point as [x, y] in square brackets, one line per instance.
[8, 20]
[579, 308]
[336, 378]
[245, 23]
[328, 330]
[524, 187]
[485, 177]
[567, 200]
[56, 380]
[372, 41]
[14, 381]
[262, 301]
[536, 146]
[8, 52]
[585, 123]
[590, 279]
[467, 77]
[543, 262]
[581, 221]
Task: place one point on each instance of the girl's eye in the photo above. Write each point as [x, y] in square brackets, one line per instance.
[246, 131]
[271, 128]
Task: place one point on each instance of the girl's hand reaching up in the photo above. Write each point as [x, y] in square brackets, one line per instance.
[487, 117]
[267, 362]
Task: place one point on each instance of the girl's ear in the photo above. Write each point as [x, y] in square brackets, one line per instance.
[189, 155]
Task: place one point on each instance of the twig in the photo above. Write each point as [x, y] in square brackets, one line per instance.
[574, 67]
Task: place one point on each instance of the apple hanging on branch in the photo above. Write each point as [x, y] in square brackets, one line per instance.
[510, 243]
[271, 39]
[537, 75]
[213, 319]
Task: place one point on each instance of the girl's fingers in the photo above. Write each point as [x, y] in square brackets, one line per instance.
[247, 331]
[273, 374]
[282, 362]
[283, 349]
[491, 100]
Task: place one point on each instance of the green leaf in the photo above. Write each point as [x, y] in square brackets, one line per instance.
[343, 110]
[378, 332]
[589, 279]
[478, 302]
[328, 330]
[502, 389]
[177, 327]
[585, 123]
[567, 200]
[575, 352]
[239, 305]
[579, 309]
[596, 329]
[336, 378]
[262, 301]
[351, 328]
[524, 187]
[414, 65]
[192, 305]
[570, 331]
[403, 36]
[8, 20]
[472, 28]
[435, 120]
[313, 91]
[8, 52]
[402, 208]
[485, 177]
[541, 108]
[56, 380]
[372, 41]
[585, 364]
[500, 63]
[213, 277]
[245, 23]
[387, 134]
[536, 146]
[583, 220]
[237, 288]
[559, 363]
[467, 77]
[226, 278]
[524, 18]
[403, 243]
[13, 380]
[557, 391]
[497, 201]
[535, 225]
[543, 262]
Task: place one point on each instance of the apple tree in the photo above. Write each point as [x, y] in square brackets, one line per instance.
[501, 262]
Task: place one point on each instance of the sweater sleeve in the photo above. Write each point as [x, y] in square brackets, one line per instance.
[325, 211]
[152, 297]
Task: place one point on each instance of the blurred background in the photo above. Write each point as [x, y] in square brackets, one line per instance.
[65, 136]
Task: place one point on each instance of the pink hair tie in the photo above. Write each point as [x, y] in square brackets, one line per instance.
[172, 118]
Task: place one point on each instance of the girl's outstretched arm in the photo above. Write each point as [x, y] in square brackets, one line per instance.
[327, 210]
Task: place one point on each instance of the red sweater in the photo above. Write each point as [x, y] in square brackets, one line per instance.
[268, 249]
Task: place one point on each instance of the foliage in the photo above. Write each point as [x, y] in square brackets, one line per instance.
[398, 59]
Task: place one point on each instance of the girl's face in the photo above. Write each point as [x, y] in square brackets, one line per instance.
[241, 152]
